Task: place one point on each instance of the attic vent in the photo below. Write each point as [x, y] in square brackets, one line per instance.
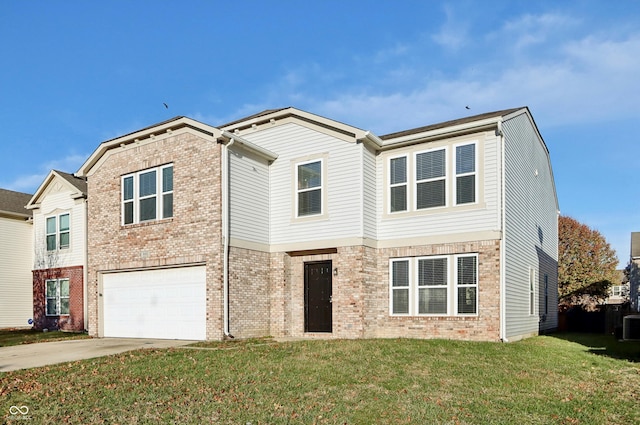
[631, 327]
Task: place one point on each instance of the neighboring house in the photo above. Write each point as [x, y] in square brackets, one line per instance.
[634, 272]
[286, 223]
[16, 257]
[59, 258]
[619, 290]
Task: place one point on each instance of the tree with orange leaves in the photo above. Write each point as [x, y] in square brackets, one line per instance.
[586, 265]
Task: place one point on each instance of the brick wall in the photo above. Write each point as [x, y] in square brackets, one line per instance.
[74, 321]
[193, 235]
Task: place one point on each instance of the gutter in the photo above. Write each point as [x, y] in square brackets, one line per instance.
[503, 256]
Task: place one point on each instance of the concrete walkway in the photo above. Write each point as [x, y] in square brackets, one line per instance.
[47, 353]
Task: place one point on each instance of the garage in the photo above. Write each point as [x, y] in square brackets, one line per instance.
[163, 303]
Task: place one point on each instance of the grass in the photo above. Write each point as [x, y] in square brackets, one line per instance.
[542, 380]
[28, 336]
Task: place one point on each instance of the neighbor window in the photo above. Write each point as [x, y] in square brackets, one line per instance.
[431, 179]
[532, 291]
[147, 195]
[57, 232]
[309, 188]
[434, 285]
[465, 174]
[57, 292]
[398, 184]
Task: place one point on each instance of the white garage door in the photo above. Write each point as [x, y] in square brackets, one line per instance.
[166, 303]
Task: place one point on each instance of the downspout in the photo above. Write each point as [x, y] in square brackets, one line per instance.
[503, 256]
[225, 236]
[85, 277]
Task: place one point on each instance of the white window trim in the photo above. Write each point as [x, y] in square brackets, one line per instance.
[455, 175]
[58, 298]
[446, 178]
[476, 285]
[452, 286]
[159, 195]
[57, 232]
[392, 185]
[532, 290]
[321, 188]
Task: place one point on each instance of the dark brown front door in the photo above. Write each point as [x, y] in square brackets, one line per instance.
[317, 297]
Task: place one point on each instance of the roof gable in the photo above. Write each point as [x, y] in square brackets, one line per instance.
[76, 185]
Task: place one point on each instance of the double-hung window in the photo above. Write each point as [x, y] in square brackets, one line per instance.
[309, 188]
[431, 179]
[434, 285]
[57, 232]
[147, 195]
[398, 183]
[57, 293]
[465, 174]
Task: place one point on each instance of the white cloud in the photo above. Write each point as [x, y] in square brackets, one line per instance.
[30, 182]
[453, 33]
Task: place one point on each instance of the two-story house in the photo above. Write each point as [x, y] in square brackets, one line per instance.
[16, 256]
[60, 249]
[286, 223]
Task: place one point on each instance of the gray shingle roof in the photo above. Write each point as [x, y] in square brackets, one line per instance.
[14, 202]
[635, 244]
[78, 182]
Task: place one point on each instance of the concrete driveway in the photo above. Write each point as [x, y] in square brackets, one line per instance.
[47, 353]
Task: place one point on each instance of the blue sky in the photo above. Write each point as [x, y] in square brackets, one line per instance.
[76, 73]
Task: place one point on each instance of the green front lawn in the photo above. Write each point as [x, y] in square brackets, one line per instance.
[27, 336]
[542, 380]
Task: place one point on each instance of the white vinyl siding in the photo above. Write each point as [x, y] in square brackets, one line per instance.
[370, 202]
[147, 195]
[434, 286]
[530, 235]
[342, 213]
[16, 280]
[58, 200]
[249, 197]
[481, 216]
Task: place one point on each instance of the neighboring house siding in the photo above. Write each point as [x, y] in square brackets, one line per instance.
[473, 218]
[530, 230]
[16, 258]
[342, 215]
[249, 192]
[55, 202]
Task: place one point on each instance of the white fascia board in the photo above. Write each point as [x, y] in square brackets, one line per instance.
[260, 151]
[150, 132]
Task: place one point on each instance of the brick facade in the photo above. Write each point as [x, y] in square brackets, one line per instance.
[267, 294]
[74, 321]
[192, 236]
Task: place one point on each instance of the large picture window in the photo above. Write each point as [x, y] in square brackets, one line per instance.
[57, 293]
[435, 285]
[57, 230]
[309, 188]
[147, 195]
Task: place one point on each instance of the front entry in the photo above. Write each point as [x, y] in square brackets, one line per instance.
[317, 297]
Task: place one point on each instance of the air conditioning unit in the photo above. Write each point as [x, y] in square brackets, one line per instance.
[631, 327]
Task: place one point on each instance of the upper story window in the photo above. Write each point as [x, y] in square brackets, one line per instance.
[57, 232]
[431, 179]
[147, 195]
[434, 285]
[465, 174]
[436, 178]
[398, 183]
[309, 188]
